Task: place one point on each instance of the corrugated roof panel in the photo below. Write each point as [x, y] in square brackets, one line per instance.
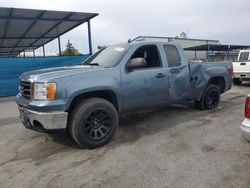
[31, 29]
[26, 13]
[55, 14]
[17, 28]
[9, 42]
[61, 28]
[26, 42]
[5, 11]
[2, 27]
[39, 42]
[10, 49]
[40, 28]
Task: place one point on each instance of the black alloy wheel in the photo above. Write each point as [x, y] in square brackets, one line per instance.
[212, 99]
[93, 122]
[97, 124]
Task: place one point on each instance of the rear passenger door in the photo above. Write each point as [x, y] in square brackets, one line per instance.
[179, 81]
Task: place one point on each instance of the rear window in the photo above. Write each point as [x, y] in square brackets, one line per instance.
[172, 55]
[244, 56]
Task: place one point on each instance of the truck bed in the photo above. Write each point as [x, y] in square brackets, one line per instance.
[200, 73]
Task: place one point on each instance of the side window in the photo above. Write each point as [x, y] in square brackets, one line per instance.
[150, 53]
[244, 56]
[172, 55]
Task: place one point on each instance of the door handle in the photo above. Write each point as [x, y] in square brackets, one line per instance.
[242, 63]
[160, 75]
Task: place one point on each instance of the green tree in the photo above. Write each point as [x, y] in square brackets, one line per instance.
[70, 50]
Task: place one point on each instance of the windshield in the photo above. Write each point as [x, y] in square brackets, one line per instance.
[244, 56]
[107, 57]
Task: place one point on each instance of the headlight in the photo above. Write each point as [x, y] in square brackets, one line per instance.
[44, 91]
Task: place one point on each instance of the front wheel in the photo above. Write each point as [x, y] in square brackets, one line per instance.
[93, 122]
[210, 98]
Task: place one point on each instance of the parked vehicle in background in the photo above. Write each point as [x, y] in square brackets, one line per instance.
[87, 99]
[241, 68]
[245, 125]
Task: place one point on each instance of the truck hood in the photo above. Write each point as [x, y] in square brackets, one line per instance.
[43, 75]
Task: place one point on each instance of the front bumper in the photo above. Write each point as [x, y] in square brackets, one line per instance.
[43, 121]
[245, 129]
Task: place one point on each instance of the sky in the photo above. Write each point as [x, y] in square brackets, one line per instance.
[120, 20]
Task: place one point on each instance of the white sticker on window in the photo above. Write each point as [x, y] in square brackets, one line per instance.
[119, 49]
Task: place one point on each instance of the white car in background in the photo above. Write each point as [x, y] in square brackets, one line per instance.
[245, 125]
[241, 68]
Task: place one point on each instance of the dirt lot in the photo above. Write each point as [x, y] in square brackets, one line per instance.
[176, 146]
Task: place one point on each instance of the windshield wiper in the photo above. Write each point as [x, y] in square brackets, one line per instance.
[93, 64]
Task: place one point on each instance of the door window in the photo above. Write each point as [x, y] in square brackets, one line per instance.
[172, 55]
[150, 53]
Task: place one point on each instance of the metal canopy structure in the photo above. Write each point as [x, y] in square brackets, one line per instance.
[216, 47]
[28, 29]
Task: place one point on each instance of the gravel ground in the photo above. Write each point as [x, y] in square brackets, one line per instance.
[177, 146]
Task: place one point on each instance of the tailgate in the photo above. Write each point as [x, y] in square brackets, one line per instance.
[241, 67]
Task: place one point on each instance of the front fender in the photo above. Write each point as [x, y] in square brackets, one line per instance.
[93, 89]
[79, 86]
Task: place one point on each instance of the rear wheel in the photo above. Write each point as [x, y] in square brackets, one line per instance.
[93, 122]
[210, 98]
[237, 81]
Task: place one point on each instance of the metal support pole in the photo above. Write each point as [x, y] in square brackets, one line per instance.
[228, 48]
[227, 55]
[207, 52]
[34, 55]
[89, 38]
[43, 51]
[195, 55]
[59, 46]
[24, 54]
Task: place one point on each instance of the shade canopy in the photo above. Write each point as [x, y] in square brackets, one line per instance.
[28, 29]
[216, 47]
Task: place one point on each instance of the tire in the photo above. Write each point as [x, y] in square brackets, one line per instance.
[210, 98]
[236, 81]
[93, 123]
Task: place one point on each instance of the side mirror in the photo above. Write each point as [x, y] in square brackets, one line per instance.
[138, 62]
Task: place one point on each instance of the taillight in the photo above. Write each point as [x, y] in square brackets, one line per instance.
[247, 107]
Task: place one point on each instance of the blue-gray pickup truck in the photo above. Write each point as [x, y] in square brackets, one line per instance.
[87, 99]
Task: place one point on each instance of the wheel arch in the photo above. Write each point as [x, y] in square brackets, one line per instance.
[218, 81]
[106, 94]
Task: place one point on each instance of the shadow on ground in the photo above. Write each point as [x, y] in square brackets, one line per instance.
[134, 126]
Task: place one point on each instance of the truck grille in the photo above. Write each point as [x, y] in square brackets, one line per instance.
[25, 89]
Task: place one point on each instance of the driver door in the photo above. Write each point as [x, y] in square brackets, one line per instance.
[145, 87]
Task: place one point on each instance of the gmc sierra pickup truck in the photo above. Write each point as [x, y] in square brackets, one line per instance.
[87, 99]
